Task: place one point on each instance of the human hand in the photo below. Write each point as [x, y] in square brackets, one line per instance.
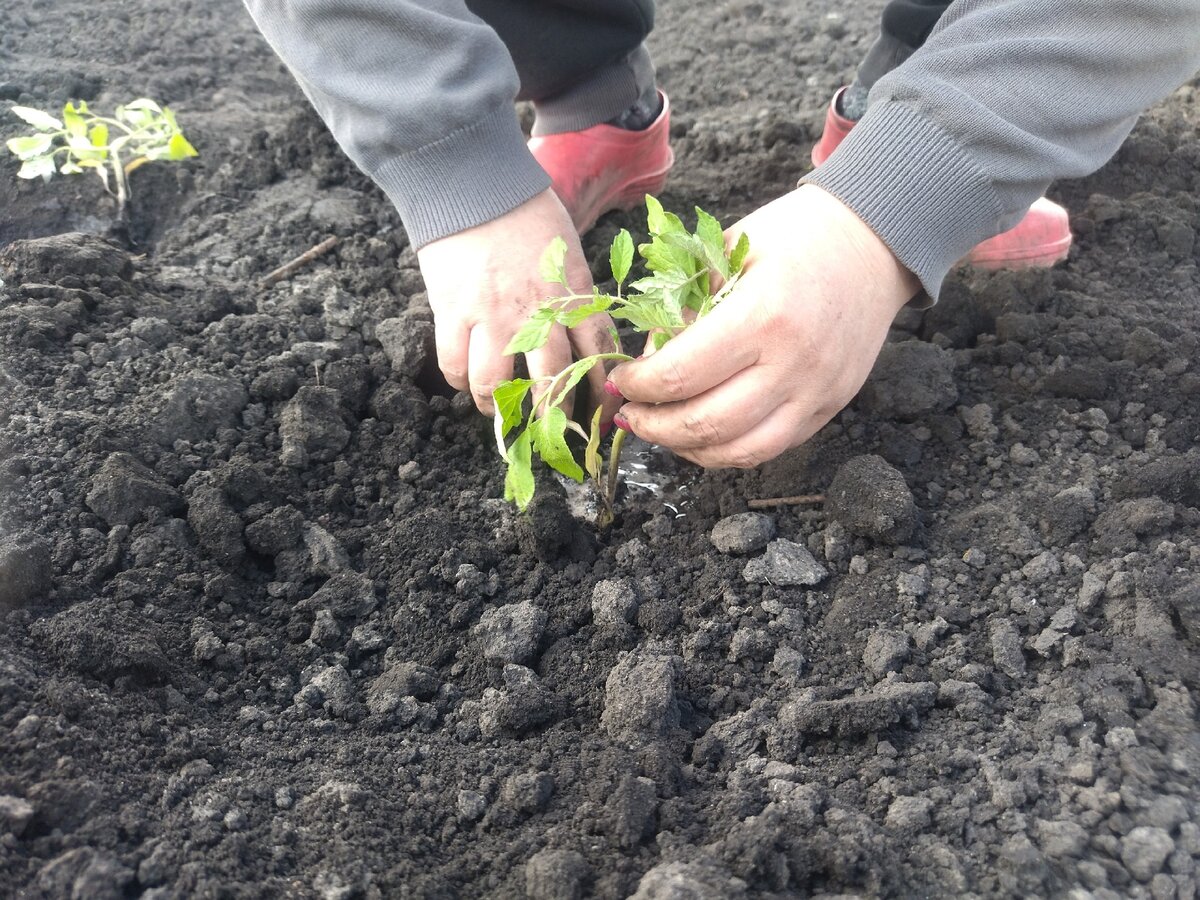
[484, 283]
[785, 351]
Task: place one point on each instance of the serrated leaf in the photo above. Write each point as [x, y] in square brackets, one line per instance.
[591, 454]
[518, 480]
[99, 135]
[659, 338]
[574, 374]
[30, 146]
[550, 442]
[39, 166]
[620, 256]
[509, 396]
[534, 333]
[553, 262]
[712, 239]
[82, 147]
[572, 317]
[178, 148]
[738, 255]
[40, 120]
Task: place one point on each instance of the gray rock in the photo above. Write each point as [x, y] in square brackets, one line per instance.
[197, 406]
[471, 805]
[218, 528]
[15, 814]
[889, 703]
[407, 342]
[123, 490]
[334, 690]
[555, 875]
[278, 530]
[405, 679]
[910, 380]
[886, 651]
[510, 634]
[521, 706]
[25, 573]
[870, 498]
[632, 809]
[639, 697]
[912, 814]
[614, 602]
[688, 881]
[527, 792]
[743, 533]
[1061, 838]
[311, 427]
[1144, 851]
[1006, 649]
[348, 595]
[785, 564]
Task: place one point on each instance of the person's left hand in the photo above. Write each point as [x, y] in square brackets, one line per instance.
[785, 351]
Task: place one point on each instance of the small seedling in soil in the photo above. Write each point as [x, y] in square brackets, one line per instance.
[111, 146]
[680, 288]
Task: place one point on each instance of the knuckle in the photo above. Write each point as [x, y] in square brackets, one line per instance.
[744, 458]
[672, 380]
[703, 429]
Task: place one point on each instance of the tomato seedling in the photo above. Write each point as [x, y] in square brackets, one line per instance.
[137, 133]
[679, 289]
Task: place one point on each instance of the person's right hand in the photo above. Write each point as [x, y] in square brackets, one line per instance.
[483, 285]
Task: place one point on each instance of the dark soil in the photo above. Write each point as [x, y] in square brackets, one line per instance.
[266, 629]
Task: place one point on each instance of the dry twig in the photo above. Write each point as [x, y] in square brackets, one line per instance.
[302, 260]
[799, 500]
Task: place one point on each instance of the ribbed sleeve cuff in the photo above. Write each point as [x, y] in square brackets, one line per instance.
[470, 176]
[915, 187]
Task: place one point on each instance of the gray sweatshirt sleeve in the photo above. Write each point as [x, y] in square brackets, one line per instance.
[1004, 97]
[419, 94]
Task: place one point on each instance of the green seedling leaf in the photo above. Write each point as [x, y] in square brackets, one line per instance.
[534, 333]
[31, 146]
[655, 217]
[553, 263]
[620, 256]
[99, 135]
[518, 481]
[549, 440]
[591, 454]
[38, 166]
[75, 123]
[178, 148]
[572, 317]
[40, 120]
[509, 397]
[144, 103]
[712, 239]
[738, 255]
[571, 376]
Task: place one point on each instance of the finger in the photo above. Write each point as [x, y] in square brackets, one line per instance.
[487, 367]
[718, 416]
[783, 429]
[451, 336]
[548, 360]
[589, 338]
[712, 350]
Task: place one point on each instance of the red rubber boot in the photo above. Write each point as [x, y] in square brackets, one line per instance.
[1038, 241]
[603, 168]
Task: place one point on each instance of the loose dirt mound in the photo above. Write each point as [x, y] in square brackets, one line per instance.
[265, 628]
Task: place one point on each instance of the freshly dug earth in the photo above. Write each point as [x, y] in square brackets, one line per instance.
[266, 629]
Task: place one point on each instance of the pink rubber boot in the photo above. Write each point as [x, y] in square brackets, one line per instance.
[1041, 239]
[603, 168]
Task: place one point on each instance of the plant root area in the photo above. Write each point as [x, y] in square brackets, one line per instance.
[266, 628]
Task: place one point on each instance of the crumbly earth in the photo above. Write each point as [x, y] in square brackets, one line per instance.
[266, 629]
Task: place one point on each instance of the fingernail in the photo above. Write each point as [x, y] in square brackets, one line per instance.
[605, 428]
[621, 422]
[612, 390]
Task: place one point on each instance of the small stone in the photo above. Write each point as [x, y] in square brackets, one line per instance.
[278, 530]
[1144, 851]
[1121, 738]
[25, 572]
[1090, 592]
[743, 533]
[311, 427]
[1006, 649]
[886, 651]
[785, 564]
[405, 679]
[632, 809]
[524, 704]
[511, 634]
[859, 565]
[1061, 838]
[123, 490]
[914, 583]
[407, 342]
[1042, 567]
[471, 805]
[975, 558]
[913, 814]
[614, 602]
[555, 875]
[527, 792]
[870, 498]
[15, 814]
[639, 697]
